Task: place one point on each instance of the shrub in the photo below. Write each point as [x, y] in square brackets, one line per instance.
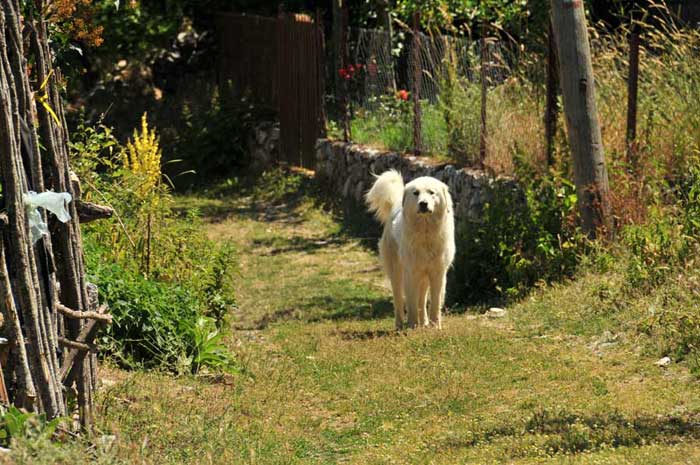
[211, 141]
[521, 240]
[156, 324]
[168, 286]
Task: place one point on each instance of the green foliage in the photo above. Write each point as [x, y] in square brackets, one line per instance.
[441, 13]
[668, 241]
[212, 142]
[207, 348]
[656, 249]
[147, 316]
[277, 184]
[96, 146]
[17, 424]
[390, 125]
[156, 324]
[519, 242]
[217, 284]
[661, 260]
[155, 267]
[677, 327]
[460, 100]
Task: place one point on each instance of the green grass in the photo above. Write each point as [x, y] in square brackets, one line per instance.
[396, 133]
[324, 379]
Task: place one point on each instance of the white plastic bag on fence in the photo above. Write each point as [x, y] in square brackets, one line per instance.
[55, 202]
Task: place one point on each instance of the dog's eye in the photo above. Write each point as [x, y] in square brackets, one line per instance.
[416, 192]
[431, 192]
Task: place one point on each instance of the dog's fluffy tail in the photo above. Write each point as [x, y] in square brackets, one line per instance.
[385, 195]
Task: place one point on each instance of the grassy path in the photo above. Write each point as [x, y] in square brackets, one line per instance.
[326, 381]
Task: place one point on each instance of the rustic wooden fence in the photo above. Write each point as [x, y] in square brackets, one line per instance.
[278, 63]
[48, 308]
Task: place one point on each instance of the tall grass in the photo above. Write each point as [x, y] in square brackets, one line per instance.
[668, 112]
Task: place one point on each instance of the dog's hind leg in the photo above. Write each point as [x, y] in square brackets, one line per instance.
[397, 289]
[437, 298]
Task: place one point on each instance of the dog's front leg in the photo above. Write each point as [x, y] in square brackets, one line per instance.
[411, 290]
[422, 303]
[437, 298]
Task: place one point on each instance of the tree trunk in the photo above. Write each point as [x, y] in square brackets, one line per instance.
[578, 89]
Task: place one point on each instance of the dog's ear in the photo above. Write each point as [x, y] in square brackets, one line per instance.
[446, 198]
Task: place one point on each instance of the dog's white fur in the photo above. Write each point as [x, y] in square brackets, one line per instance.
[417, 246]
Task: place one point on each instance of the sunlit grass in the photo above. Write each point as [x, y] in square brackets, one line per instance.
[324, 378]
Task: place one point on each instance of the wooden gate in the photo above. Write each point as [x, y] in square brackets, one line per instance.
[278, 62]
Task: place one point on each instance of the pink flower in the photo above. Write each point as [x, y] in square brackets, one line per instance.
[402, 94]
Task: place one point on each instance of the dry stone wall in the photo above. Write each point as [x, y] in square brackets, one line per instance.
[346, 171]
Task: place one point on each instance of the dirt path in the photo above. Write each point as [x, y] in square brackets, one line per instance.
[325, 380]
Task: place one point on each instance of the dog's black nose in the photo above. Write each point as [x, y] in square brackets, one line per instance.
[423, 206]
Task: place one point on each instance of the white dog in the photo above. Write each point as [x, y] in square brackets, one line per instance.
[417, 246]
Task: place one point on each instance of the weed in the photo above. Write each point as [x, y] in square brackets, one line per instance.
[17, 424]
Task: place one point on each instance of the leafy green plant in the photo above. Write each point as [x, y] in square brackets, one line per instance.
[18, 424]
[524, 238]
[155, 266]
[212, 141]
[156, 324]
[218, 284]
[93, 150]
[207, 349]
[389, 124]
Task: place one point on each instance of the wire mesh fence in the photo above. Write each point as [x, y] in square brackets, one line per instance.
[382, 80]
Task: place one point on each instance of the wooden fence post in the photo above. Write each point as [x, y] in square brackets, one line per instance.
[583, 127]
[484, 91]
[321, 82]
[347, 129]
[415, 51]
[551, 98]
[632, 91]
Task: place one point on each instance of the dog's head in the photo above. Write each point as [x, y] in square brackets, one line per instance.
[426, 197]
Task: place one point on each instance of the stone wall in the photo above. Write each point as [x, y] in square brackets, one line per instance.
[263, 145]
[345, 171]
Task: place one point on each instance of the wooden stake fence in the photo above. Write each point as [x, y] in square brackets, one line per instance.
[42, 285]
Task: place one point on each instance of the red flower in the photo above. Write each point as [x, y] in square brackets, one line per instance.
[402, 94]
[343, 73]
[358, 66]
